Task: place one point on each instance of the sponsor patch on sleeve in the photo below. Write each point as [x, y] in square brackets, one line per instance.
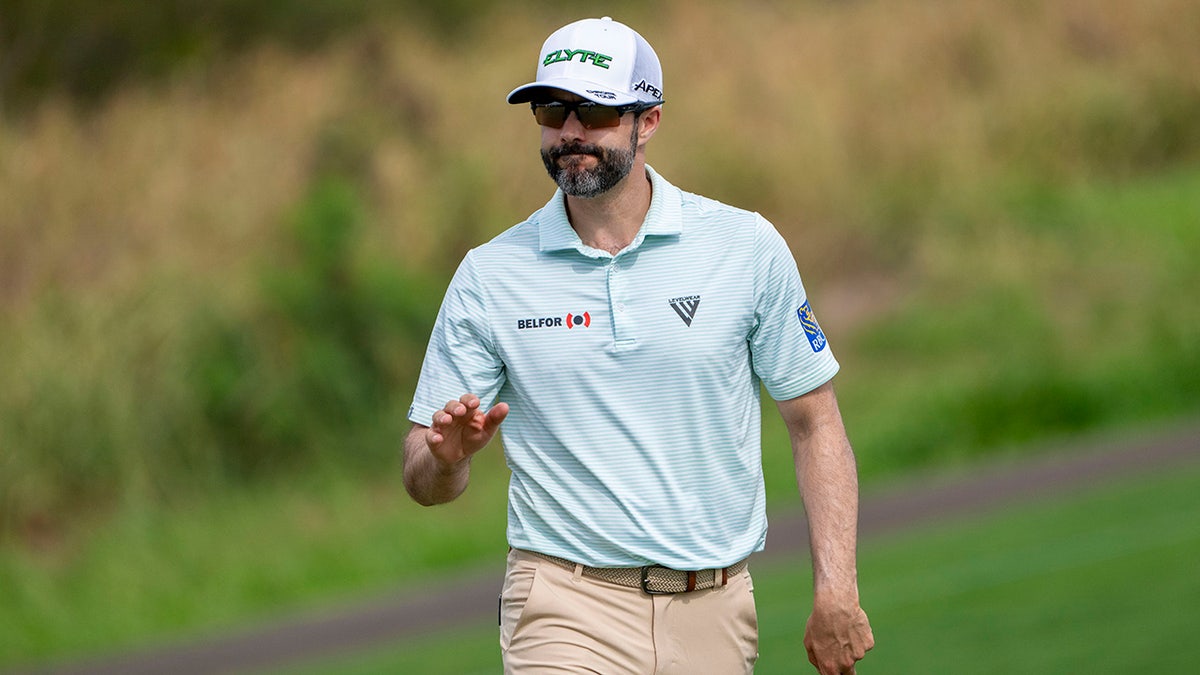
[812, 329]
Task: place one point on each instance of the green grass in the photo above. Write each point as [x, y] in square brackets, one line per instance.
[1100, 581]
[198, 429]
[1062, 318]
[150, 576]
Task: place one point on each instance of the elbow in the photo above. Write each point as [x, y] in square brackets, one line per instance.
[418, 493]
[422, 499]
[426, 481]
[426, 493]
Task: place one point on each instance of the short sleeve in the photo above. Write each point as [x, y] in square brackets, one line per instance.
[789, 350]
[461, 357]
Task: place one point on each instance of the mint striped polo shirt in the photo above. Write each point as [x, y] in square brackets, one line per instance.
[633, 379]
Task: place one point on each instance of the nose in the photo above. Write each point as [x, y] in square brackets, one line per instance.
[572, 128]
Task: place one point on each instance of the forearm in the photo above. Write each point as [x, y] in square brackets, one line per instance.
[427, 479]
[828, 481]
[838, 633]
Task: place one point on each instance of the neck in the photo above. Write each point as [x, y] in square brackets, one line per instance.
[609, 222]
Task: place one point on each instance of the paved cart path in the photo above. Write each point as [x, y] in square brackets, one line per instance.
[415, 611]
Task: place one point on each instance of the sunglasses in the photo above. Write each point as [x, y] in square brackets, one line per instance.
[590, 115]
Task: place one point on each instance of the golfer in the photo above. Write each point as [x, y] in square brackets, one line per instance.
[621, 335]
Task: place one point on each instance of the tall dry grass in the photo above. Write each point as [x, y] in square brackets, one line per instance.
[887, 140]
[841, 121]
[185, 179]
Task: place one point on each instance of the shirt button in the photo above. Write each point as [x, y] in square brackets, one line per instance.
[620, 307]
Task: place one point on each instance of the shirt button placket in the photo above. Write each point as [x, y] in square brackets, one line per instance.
[622, 330]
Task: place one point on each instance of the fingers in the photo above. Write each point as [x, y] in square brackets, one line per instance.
[460, 411]
[834, 668]
[470, 401]
[837, 664]
[835, 649]
[462, 421]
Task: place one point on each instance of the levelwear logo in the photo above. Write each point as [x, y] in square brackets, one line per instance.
[572, 321]
[686, 307]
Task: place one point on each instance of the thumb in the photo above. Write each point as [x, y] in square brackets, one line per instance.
[494, 417]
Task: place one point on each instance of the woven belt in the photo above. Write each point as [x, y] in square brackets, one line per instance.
[654, 579]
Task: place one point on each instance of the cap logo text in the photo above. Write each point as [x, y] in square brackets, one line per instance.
[560, 55]
[648, 88]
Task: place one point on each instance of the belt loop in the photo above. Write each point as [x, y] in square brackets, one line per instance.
[578, 572]
[724, 576]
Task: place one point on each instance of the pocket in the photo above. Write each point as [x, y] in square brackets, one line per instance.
[748, 621]
[518, 585]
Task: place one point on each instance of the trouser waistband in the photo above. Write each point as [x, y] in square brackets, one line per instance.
[654, 579]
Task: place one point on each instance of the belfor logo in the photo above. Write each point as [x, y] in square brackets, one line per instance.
[562, 55]
[573, 320]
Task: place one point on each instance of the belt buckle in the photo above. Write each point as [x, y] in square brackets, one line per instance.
[646, 581]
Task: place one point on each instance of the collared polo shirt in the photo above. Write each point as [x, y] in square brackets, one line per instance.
[633, 380]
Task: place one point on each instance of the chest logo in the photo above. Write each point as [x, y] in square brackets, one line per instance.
[686, 307]
[572, 321]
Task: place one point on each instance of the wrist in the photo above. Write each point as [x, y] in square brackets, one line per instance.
[840, 593]
[449, 469]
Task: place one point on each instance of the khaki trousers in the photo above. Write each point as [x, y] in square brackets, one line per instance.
[553, 620]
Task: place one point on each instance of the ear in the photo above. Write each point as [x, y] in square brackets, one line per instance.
[648, 124]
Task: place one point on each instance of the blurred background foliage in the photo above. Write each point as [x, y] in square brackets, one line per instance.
[87, 49]
[225, 229]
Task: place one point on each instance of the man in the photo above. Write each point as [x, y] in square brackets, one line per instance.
[623, 332]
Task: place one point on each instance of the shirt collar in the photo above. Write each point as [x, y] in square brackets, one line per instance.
[664, 218]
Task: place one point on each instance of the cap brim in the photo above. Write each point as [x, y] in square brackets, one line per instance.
[589, 90]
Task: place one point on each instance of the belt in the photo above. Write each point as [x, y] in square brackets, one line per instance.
[654, 579]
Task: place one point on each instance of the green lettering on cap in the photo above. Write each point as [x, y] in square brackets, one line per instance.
[559, 55]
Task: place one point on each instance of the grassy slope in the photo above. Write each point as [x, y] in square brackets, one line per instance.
[1101, 581]
[1018, 176]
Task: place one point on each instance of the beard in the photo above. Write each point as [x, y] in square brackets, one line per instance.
[612, 166]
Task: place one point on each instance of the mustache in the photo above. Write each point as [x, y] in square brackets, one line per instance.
[576, 148]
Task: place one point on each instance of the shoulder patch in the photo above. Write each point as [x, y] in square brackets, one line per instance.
[812, 329]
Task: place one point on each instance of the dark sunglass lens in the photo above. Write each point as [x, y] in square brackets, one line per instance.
[590, 115]
[553, 116]
[598, 116]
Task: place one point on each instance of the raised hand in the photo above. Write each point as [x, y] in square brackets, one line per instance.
[460, 429]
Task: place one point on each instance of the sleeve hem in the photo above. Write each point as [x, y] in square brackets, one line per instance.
[810, 383]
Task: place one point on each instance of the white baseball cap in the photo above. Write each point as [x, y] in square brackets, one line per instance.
[599, 59]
